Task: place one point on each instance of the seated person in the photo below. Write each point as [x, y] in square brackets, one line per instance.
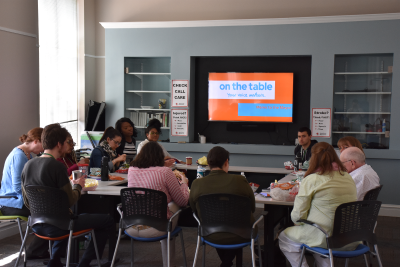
[364, 176]
[349, 141]
[11, 186]
[108, 144]
[69, 159]
[303, 149]
[148, 171]
[47, 171]
[326, 185]
[219, 181]
[128, 143]
[153, 132]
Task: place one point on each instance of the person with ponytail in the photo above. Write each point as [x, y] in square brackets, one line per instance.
[108, 144]
[326, 186]
[153, 132]
[11, 186]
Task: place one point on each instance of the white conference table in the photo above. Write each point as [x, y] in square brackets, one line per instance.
[238, 169]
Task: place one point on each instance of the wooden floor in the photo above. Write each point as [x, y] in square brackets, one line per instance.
[149, 254]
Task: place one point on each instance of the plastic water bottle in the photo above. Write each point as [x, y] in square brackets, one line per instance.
[242, 174]
[384, 126]
[200, 171]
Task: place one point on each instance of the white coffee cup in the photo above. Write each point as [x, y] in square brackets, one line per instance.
[202, 139]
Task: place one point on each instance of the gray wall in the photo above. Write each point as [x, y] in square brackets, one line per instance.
[321, 41]
[19, 74]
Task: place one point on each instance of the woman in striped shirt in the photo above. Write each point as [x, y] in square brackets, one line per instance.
[128, 143]
[147, 171]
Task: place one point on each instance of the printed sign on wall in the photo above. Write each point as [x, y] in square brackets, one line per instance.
[321, 122]
[180, 93]
[179, 122]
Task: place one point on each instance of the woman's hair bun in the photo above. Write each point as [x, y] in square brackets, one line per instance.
[154, 123]
[23, 138]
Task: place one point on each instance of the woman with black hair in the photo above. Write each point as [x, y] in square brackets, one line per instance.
[128, 144]
[108, 144]
[153, 132]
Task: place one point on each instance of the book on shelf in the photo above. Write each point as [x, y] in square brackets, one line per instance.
[142, 118]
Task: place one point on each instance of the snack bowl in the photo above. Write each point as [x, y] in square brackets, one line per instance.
[92, 188]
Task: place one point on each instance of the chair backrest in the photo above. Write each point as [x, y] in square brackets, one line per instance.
[225, 213]
[143, 206]
[48, 205]
[373, 193]
[354, 221]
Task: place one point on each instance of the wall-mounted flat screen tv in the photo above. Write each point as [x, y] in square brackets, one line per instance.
[250, 97]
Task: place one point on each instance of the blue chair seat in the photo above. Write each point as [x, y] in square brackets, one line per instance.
[230, 246]
[360, 250]
[157, 238]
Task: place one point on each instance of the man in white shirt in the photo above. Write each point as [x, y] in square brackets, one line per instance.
[363, 175]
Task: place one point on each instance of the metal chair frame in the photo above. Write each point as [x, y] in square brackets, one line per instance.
[253, 238]
[32, 221]
[124, 225]
[331, 238]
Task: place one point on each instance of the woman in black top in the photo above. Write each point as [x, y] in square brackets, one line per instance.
[128, 144]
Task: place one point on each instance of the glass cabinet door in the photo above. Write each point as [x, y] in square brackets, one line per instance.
[362, 98]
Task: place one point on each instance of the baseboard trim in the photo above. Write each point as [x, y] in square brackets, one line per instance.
[8, 229]
[388, 210]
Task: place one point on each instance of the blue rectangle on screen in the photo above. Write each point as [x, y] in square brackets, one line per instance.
[265, 110]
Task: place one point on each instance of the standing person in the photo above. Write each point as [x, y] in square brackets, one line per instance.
[153, 132]
[348, 141]
[326, 186]
[303, 149]
[148, 171]
[108, 143]
[69, 158]
[11, 186]
[219, 181]
[128, 143]
[47, 171]
[364, 176]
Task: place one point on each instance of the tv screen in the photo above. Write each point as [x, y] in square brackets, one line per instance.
[253, 97]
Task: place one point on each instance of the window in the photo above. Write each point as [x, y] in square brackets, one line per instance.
[58, 64]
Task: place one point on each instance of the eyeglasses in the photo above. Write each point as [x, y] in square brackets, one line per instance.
[117, 143]
[343, 162]
[71, 142]
[154, 133]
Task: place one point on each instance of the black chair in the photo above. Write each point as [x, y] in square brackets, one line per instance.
[143, 206]
[13, 218]
[50, 205]
[354, 221]
[229, 214]
[373, 193]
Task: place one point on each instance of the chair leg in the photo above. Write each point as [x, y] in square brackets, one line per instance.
[183, 250]
[69, 247]
[366, 260]
[22, 246]
[259, 253]
[302, 256]
[347, 262]
[204, 254]
[377, 255]
[331, 258]
[197, 251]
[95, 248]
[168, 249]
[252, 253]
[116, 247]
[131, 252]
[50, 248]
[22, 238]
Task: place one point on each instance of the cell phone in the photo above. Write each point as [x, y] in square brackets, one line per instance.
[265, 194]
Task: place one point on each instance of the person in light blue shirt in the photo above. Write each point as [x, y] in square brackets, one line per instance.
[11, 186]
[11, 181]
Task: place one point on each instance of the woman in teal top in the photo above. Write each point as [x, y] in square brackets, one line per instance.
[13, 166]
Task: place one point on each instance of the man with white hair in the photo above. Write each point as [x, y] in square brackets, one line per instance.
[363, 175]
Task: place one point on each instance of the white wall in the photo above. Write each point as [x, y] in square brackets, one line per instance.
[19, 73]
